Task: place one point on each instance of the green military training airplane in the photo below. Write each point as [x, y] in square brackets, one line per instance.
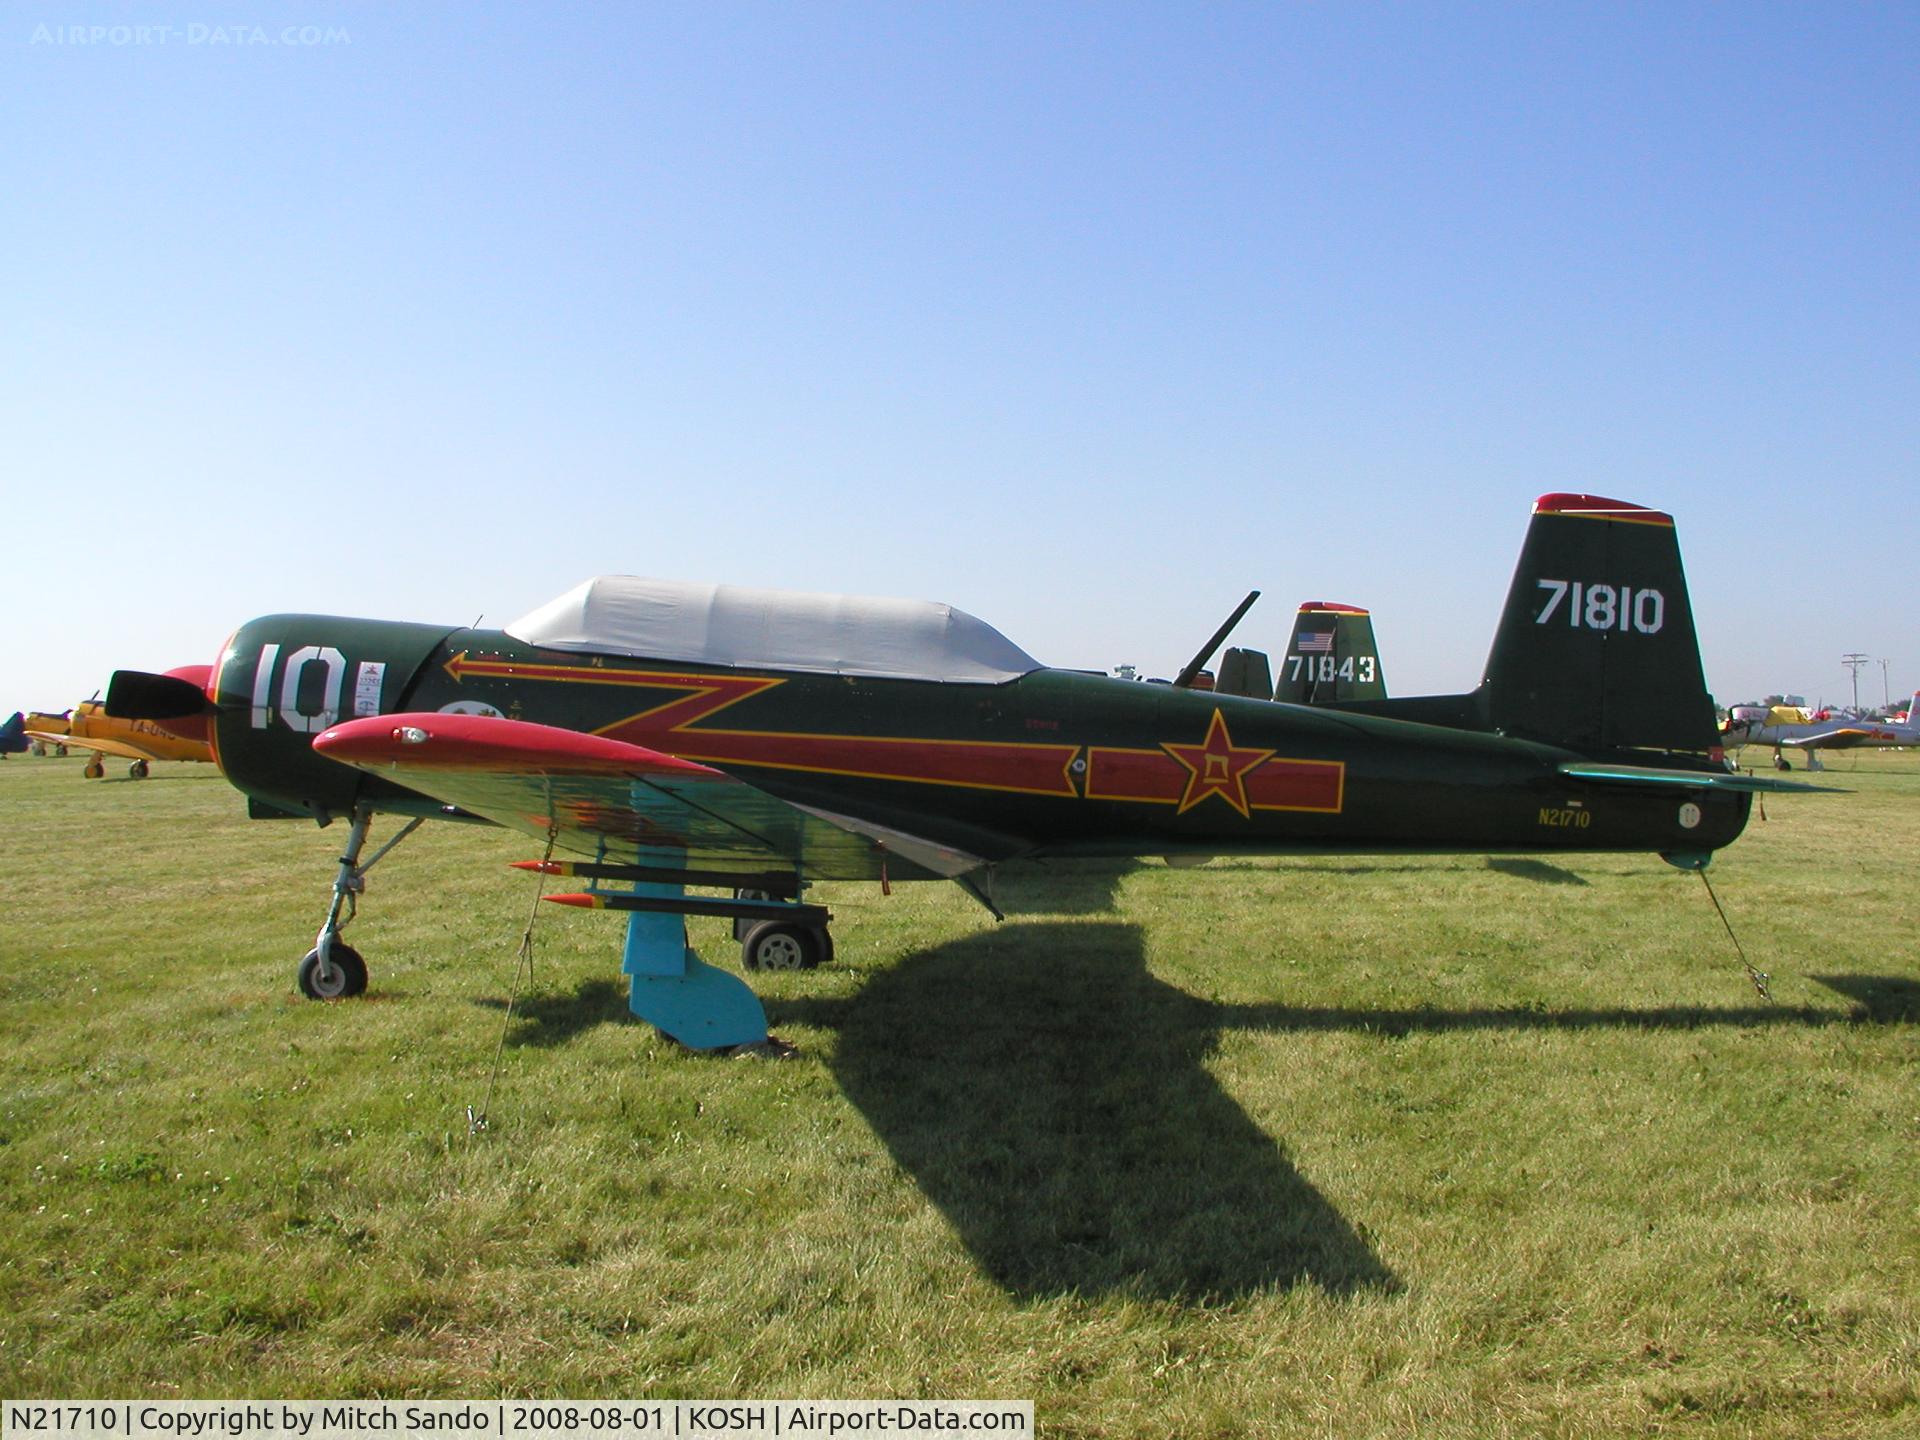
[697, 738]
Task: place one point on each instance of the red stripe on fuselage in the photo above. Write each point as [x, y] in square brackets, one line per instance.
[709, 694]
[1153, 777]
[1150, 776]
[970, 764]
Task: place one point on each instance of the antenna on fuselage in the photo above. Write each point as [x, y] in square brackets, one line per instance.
[1199, 662]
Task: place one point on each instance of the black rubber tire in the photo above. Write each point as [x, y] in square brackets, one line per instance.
[778, 945]
[349, 974]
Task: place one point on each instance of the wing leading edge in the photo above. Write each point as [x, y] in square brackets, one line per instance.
[1847, 737]
[119, 748]
[615, 801]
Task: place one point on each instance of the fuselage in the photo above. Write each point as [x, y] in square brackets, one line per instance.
[1050, 763]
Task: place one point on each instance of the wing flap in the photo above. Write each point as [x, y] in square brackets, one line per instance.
[605, 798]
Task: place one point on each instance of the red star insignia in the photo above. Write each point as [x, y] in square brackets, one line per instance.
[1217, 767]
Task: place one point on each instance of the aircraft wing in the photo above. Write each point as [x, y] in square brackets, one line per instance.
[1654, 777]
[102, 747]
[624, 803]
[1843, 737]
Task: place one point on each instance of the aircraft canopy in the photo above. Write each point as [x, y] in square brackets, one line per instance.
[774, 629]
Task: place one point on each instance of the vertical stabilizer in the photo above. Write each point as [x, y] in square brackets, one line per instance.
[1596, 648]
[1331, 657]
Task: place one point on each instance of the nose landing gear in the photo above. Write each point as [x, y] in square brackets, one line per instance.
[334, 970]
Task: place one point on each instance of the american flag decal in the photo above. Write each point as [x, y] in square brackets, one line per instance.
[1315, 643]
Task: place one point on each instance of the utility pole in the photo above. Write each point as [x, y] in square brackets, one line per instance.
[1853, 661]
[1886, 695]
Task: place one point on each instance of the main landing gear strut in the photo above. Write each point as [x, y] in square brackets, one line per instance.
[333, 970]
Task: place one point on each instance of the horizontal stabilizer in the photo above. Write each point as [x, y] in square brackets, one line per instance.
[1650, 777]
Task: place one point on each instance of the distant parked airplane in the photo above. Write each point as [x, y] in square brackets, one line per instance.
[1330, 659]
[1783, 728]
[140, 741]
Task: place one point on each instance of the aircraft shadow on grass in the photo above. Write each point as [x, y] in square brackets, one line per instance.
[1060, 887]
[1051, 1097]
[1877, 999]
[1539, 870]
[1092, 887]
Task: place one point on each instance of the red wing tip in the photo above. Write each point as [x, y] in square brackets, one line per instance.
[578, 901]
[540, 867]
[1331, 607]
[1598, 507]
[488, 742]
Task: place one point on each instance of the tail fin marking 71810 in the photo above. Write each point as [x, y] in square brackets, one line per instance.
[1596, 648]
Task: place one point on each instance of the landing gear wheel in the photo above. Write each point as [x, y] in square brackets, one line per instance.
[94, 769]
[137, 770]
[777, 945]
[1781, 764]
[349, 977]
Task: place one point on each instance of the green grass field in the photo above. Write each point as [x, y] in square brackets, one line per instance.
[1368, 1147]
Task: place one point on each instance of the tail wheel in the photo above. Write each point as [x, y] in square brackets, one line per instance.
[348, 977]
[777, 945]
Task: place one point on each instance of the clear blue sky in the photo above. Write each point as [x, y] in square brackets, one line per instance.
[1086, 319]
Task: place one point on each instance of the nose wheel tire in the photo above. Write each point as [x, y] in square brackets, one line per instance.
[348, 975]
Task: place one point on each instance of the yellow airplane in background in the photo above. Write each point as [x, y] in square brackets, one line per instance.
[42, 730]
[1790, 727]
[89, 727]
